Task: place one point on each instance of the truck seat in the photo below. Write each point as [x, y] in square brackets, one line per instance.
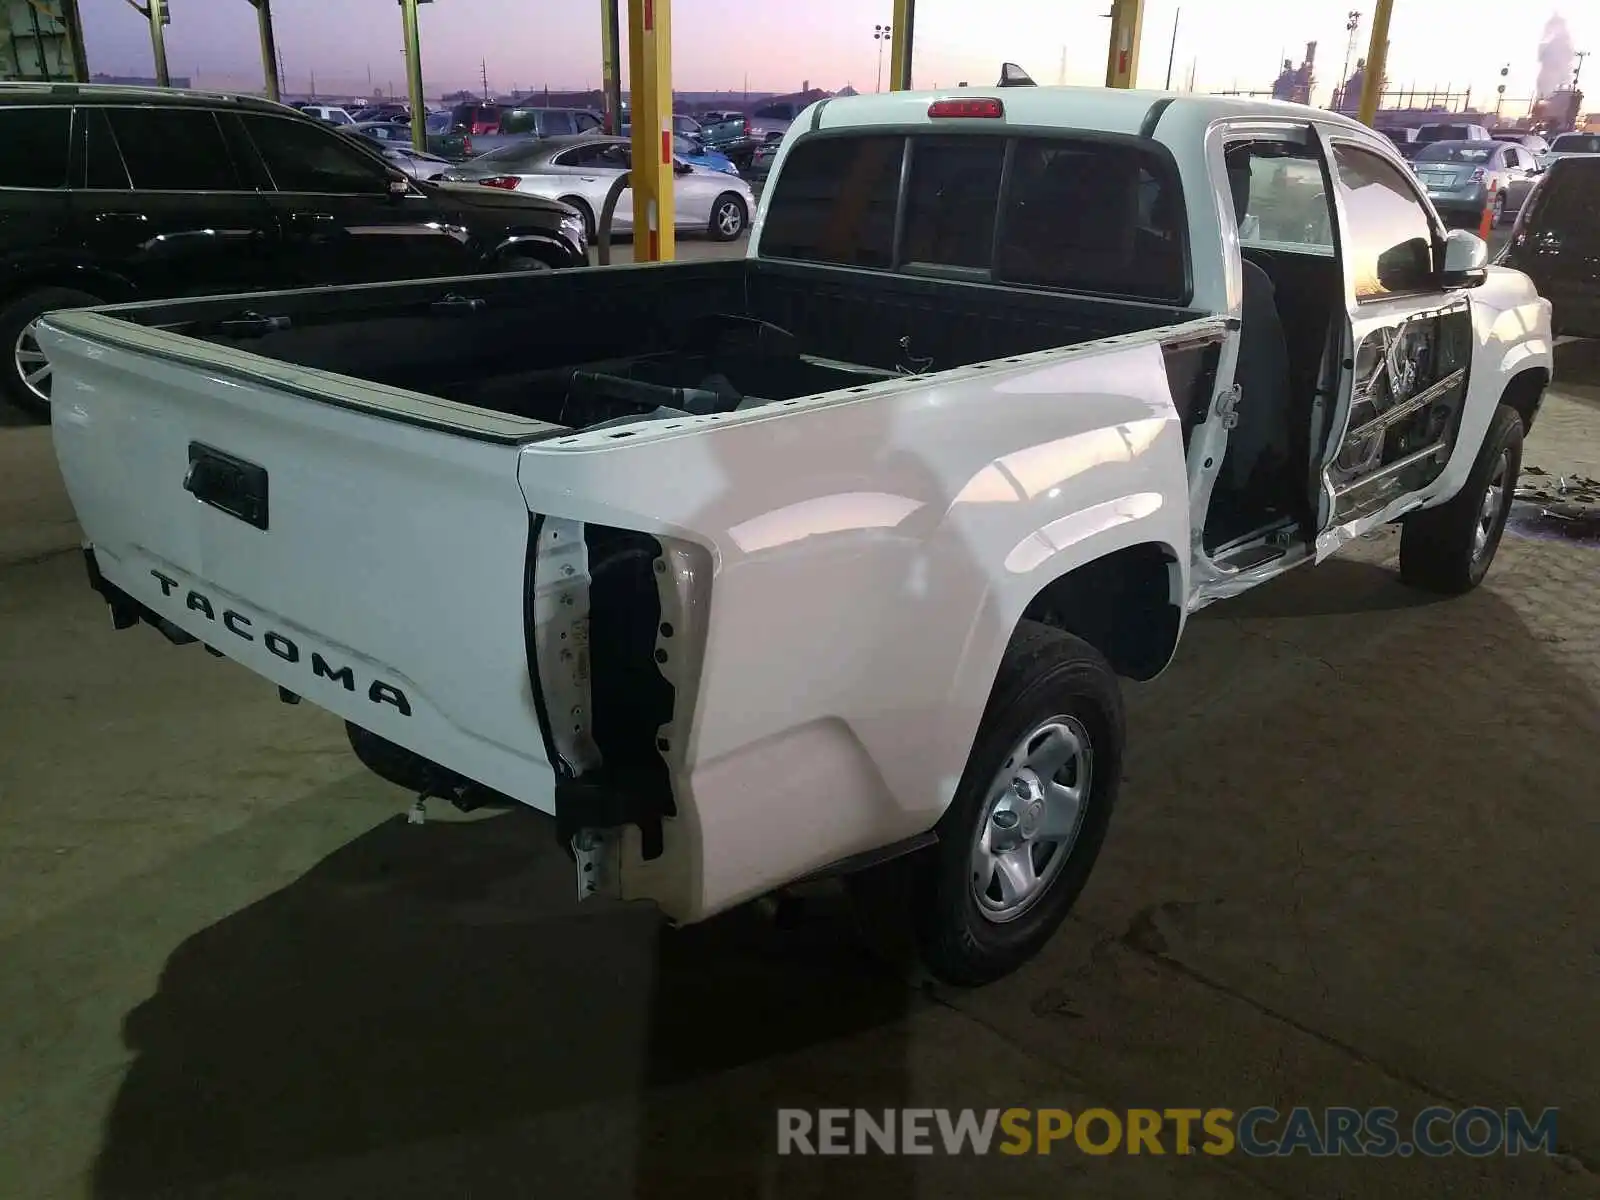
[1260, 442]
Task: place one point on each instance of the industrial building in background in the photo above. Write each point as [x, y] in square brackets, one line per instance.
[42, 41]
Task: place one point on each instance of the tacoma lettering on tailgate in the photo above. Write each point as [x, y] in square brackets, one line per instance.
[284, 647]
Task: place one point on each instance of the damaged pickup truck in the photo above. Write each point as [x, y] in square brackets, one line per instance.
[754, 570]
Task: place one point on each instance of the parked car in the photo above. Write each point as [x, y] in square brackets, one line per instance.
[853, 537]
[391, 135]
[1463, 178]
[110, 194]
[579, 171]
[1452, 131]
[696, 155]
[327, 113]
[1557, 243]
[1533, 143]
[741, 137]
[762, 160]
[444, 139]
[1570, 145]
[391, 111]
[476, 118]
[520, 125]
[401, 153]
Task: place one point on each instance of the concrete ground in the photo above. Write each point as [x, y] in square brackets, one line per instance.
[1354, 863]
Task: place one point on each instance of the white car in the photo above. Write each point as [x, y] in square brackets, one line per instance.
[579, 171]
[1571, 145]
[329, 113]
[753, 570]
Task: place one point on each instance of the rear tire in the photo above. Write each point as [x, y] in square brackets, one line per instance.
[982, 911]
[25, 376]
[1448, 549]
[584, 211]
[729, 218]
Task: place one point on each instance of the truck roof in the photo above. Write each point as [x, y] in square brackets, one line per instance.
[1113, 110]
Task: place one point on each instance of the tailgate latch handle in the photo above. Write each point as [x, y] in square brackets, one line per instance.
[226, 483]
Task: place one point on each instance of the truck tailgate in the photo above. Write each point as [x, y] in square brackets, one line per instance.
[375, 566]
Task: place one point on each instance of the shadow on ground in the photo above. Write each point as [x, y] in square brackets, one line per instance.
[425, 985]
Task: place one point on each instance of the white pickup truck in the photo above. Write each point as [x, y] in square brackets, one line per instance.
[754, 570]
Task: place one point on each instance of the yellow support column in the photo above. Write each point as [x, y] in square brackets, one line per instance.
[1122, 59]
[904, 24]
[650, 88]
[269, 47]
[413, 48]
[1377, 62]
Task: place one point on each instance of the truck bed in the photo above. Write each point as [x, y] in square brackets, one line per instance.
[579, 349]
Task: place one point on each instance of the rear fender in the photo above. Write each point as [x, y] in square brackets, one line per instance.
[839, 627]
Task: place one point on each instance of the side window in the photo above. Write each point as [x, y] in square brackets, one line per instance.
[35, 142]
[952, 201]
[586, 122]
[1389, 241]
[304, 158]
[174, 150]
[835, 201]
[1286, 202]
[103, 166]
[1094, 217]
[555, 124]
[1514, 158]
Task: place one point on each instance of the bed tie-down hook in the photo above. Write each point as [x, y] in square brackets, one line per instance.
[912, 365]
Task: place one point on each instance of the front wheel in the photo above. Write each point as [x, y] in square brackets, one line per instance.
[1021, 835]
[728, 217]
[1499, 217]
[1448, 549]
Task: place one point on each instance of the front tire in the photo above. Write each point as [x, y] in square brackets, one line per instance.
[1448, 549]
[25, 375]
[1020, 837]
[729, 217]
[1499, 210]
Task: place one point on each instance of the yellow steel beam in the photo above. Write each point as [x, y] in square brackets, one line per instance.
[904, 24]
[419, 107]
[156, 11]
[1122, 57]
[650, 96]
[1377, 62]
[269, 47]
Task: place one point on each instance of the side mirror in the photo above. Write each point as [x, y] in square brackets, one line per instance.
[1466, 260]
[679, 167]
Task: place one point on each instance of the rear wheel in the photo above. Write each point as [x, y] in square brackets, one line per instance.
[728, 217]
[25, 376]
[1021, 835]
[583, 210]
[1448, 549]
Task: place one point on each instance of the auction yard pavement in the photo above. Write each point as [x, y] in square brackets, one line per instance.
[1354, 863]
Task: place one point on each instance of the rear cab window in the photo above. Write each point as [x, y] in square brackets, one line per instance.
[988, 207]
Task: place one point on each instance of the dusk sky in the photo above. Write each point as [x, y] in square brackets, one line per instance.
[531, 43]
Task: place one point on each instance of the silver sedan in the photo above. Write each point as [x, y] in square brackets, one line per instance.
[579, 171]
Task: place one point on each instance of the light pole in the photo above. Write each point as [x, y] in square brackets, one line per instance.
[881, 34]
[1500, 92]
[1352, 24]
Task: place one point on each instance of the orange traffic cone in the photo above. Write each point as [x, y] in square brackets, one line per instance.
[1486, 224]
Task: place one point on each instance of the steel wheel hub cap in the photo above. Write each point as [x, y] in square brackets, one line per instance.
[1494, 499]
[32, 364]
[1031, 818]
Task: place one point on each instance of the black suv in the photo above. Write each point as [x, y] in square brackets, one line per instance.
[110, 194]
[1557, 243]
